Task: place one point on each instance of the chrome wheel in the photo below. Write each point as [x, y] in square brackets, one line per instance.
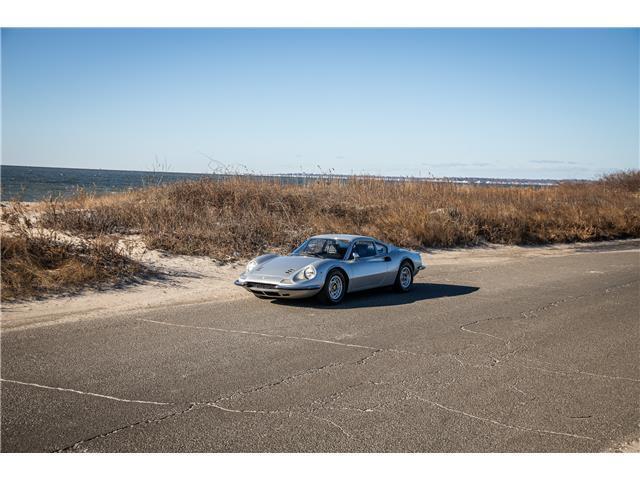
[335, 287]
[405, 277]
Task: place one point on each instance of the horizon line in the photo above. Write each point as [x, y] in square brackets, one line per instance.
[320, 175]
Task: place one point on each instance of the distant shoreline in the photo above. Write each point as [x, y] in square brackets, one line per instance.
[305, 174]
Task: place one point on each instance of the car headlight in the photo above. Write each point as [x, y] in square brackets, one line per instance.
[251, 265]
[309, 272]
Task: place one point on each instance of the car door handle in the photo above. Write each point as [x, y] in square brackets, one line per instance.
[387, 259]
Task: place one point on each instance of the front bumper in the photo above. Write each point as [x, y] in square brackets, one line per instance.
[268, 290]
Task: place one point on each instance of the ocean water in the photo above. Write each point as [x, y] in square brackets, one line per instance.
[31, 184]
[37, 183]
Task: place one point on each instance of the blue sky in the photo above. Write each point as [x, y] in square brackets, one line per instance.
[460, 102]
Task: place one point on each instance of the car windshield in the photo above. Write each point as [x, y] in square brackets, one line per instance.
[323, 248]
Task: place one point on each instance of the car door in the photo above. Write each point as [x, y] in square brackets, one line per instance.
[369, 269]
[390, 276]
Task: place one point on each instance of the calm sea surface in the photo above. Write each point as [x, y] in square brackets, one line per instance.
[30, 184]
[36, 183]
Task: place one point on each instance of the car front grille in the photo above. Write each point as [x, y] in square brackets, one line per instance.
[260, 285]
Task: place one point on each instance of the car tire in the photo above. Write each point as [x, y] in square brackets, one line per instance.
[404, 278]
[334, 289]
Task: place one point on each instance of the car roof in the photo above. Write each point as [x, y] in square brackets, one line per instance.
[346, 237]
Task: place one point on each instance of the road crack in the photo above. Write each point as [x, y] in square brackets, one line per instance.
[233, 410]
[533, 312]
[577, 372]
[148, 421]
[261, 334]
[334, 424]
[284, 380]
[465, 329]
[375, 350]
[80, 392]
[494, 421]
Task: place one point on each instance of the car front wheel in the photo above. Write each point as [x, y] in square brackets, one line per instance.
[334, 289]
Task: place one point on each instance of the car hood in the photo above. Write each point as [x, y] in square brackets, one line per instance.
[283, 267]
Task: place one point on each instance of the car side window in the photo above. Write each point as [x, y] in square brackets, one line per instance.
[381, 249]
[364, 249]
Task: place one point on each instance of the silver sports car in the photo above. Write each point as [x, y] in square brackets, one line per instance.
[330, 266]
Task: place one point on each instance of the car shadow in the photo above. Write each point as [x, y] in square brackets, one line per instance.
[385, 297]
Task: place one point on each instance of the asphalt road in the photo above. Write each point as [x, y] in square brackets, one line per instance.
[532, 354]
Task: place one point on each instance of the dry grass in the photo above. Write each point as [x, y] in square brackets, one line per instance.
[626, 180]
[240, 217]
[36, 262]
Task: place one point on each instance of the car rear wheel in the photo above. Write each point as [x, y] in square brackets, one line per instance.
[404, 279]
[334, 289]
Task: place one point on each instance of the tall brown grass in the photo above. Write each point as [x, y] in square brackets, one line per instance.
[240, 217]
[37, 262]
[627, 180]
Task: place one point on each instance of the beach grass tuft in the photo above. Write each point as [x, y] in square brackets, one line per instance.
[38, 262]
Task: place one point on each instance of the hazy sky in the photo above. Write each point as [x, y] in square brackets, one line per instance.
[492, 103]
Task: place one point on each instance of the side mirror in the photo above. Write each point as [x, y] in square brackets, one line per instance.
[355, 256]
